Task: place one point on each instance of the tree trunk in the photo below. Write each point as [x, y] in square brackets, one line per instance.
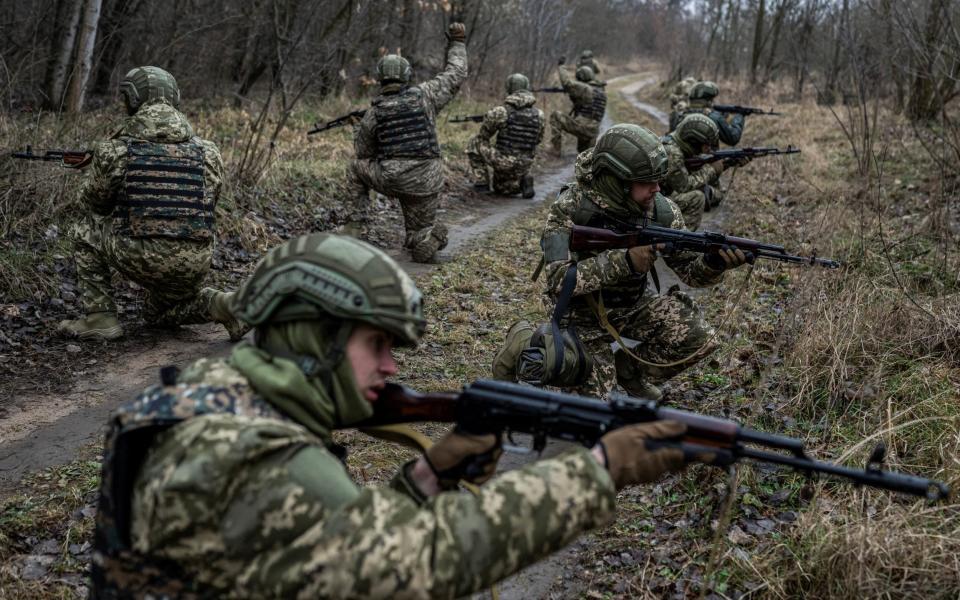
[775, 39]
[64, 38]
[925, 101]
[84, 59]
[757, 41]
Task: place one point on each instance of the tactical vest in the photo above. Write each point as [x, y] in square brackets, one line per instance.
[403, 129]
[117, 571]
[596, 109]
[164, 192]
[522, 132]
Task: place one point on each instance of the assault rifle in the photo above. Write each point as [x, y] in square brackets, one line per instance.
[550, 90]
[487, 406]
[70, 159]
[466, 119]
[731, 154]
[338, 122]
[743, 110]
[680, 240]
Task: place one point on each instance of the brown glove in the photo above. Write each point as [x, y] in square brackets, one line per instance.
[641, 258]
[457, 32]
[464, 456]
[629, 461]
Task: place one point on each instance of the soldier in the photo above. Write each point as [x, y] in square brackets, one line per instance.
[697, 191]
[679, 99]
[397, 150]
[589, 104]
[518, 127]
[151, 191]
[227, 482]
[617, 186]
[586, 60]
[701, 101]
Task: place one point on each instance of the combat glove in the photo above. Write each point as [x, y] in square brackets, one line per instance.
[633, 456]
[457, 32]
[464, 456]
[737, 162]
[728, 258]
[641, 258]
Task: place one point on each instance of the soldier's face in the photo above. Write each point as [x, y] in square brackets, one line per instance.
[643, 193]
[370, 352]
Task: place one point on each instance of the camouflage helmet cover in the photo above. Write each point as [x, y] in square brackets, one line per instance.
[584, 73]
[696, 129]
[517, 82]
[394, 68]
[321, 275]
[704, 90]
[143, 84]
[586, 54]
[631, 153]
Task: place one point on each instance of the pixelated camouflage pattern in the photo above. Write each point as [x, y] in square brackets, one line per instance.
[588, 62]
[667, 327]
[404, 128]
[508, 168]
[416, 183]
[253, 506]
[730, 126]
[681, 94]
[171, 272]
[581, 127]
[164, 195]
[685, 187]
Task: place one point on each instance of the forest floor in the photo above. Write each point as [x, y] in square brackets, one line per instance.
[840, 359]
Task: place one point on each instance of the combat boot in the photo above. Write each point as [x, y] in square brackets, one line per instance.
[423, 248]
[220, 312]
[639, 388]
[95, 326]
[526, 186]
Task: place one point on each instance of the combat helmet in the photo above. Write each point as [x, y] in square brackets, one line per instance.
[696, 129]
[630, 153]
[517, 82]
[586, 54]
[393, 68]
[584, 73]
[322, 275]
[142, 84]
[704, 90]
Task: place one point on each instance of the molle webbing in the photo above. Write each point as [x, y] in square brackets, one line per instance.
[164, 193]
[403, 129]
[596, 109]
[520, 135]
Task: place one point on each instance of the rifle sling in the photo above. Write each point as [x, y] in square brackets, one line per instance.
[559, 311]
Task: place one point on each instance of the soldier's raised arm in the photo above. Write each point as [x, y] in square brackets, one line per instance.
[441, 89]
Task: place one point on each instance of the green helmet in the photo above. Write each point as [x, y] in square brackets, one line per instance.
[704, 90]
[517, 82]
[696, 129]
[586, 54]
[148, 83]
[631, 153]
[393, 68]
[584, 73]
[321, 275]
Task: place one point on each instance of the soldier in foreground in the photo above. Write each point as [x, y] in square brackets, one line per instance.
[151, 191]
[225, 481]
[518, 126]
[701, 99]
[617, 187]
[697, 191]
[589, 105]
[586, 60]
[397, 150]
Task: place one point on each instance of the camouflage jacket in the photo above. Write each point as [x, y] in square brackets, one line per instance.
[253, 505]
[156, 121]
[589, 62]
[580, 93]
[495, 120]
[417, 176]
[608, 271]
[679, 179]
[731, 126]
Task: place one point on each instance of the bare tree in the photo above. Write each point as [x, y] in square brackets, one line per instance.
[83, 63]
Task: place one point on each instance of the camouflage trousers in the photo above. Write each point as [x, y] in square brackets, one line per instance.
[666, 328]
[170, 271]
[419, 210]
[584, 129]
[693, 204]
[507, 169]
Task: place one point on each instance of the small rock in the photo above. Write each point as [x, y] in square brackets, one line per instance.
[36, 566]
[47, 547]
[787, 516]
[89, 512]
[779, 497]
[738, 536]
[73, 348]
